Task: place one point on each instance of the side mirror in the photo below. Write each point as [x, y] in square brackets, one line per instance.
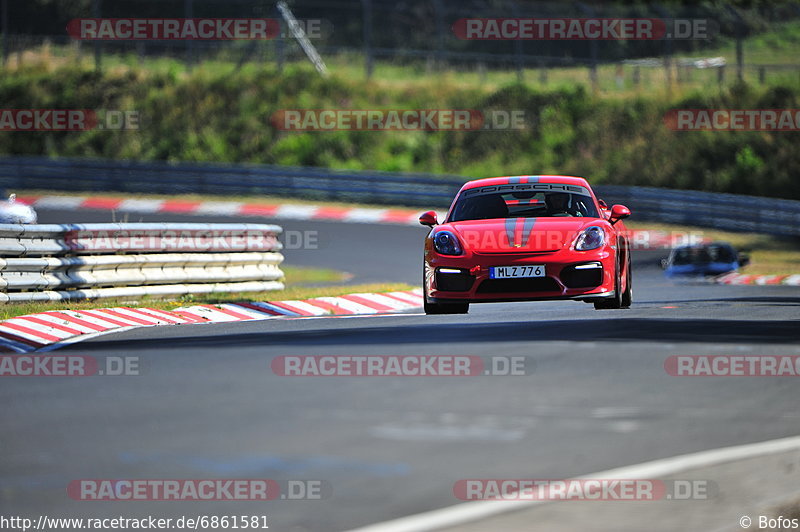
[428, 218]
[618, 212]
[744, 259]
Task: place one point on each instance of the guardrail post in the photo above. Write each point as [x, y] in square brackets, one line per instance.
[4, 8]
[366, 10]
[98, 59]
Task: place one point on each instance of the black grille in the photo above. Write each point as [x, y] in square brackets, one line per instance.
[454, 282]
[587, 278]
[504, 286]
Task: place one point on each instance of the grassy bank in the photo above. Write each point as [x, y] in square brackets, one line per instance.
[216, 113]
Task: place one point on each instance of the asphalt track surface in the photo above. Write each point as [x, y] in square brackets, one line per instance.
[207, 404]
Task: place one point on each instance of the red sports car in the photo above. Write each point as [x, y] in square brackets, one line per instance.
[526, 238]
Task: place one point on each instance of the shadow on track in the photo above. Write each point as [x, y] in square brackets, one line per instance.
[772, 301]
[611, 330]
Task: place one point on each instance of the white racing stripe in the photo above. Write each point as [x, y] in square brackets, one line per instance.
[104, 312]
[212, 315]
[304, 308]
[91, 319]
[282, 311]
[121, 318]
[65, 323]
[244, 310]
[76, 339]
[352, 306]
[364, 215]
[37, 327]
[166, 315]
[140, 205]
[413, 299]
[22, 334]
[59, 202]
[219, 208]
[81, 338]
[139, 315]
[296, 212]
[258, 314]
[386, 301]
[468, 512]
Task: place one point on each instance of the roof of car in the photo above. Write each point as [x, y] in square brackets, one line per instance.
[489, 181]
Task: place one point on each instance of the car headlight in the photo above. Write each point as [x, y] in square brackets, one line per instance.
[591, 238]
[446, 243]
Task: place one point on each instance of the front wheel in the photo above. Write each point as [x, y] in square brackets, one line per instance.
[627, 295]
[440, 308]
[616, 302]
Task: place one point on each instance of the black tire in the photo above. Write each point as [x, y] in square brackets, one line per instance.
[627, 295]
[446, 308]
[440, 308]
[612, 303]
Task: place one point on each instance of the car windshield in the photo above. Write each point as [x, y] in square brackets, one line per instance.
[703, 255]
[692, 255]
[486, 206]
[721, 253]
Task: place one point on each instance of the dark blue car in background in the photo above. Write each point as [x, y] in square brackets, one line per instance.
[703, 260]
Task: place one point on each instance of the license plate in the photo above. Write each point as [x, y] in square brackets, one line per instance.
[516, 272]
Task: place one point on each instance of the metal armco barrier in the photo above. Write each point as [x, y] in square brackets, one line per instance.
[87, 261]
[702, 209]
[18, 173]
[730, 212]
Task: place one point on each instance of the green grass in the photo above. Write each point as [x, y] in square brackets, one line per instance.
[776, 46]
[298, 275]
[215, 113]
[226, 119]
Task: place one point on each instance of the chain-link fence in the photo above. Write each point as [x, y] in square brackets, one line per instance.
[386, 38]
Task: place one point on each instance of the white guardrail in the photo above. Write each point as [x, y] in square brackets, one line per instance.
[87, 261]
